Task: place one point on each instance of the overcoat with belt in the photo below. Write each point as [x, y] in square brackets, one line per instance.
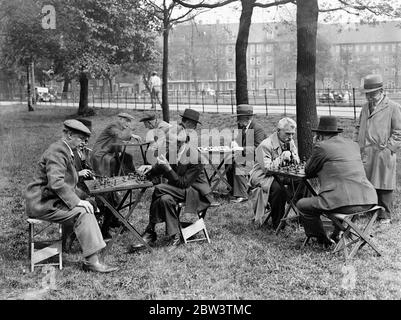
[53, 191]
[379, 137]
[103, 151]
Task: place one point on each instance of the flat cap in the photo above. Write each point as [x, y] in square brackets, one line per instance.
[77, 126]
[125, 115]
[148, 117]
[87, 123]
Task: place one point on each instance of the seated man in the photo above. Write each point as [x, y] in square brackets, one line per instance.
[278, 149]
[52, 197]
[344, 188]
[252, 132]
[186, 183]
[105, 155]
[160, 135]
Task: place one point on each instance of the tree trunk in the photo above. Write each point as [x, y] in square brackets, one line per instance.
[83, 108]
[165, 106]
[28, 86]
[33, 82]
[307, 14]
[66, 84]
[110, 85]
[241, 46]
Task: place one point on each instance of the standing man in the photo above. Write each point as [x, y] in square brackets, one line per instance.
[378, 134]
[155, 88]
[344, 188]
[52, 195]
[278, 149]
[250, 130]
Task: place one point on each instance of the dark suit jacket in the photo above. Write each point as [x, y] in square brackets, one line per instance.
[254, 133]
[338, 165]
[188, 176]
[54, 185]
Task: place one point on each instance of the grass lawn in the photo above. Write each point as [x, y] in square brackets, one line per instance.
[242, 262]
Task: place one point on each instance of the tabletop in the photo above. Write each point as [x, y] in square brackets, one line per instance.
[219, 149]
[120, 183]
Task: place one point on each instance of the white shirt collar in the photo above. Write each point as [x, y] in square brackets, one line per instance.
[72, 153]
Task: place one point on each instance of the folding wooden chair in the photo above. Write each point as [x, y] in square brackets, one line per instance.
[49, 247]
[353, 236]
[190, 229]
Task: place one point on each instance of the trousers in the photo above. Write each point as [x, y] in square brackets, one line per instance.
[385, 199]
[238, 182]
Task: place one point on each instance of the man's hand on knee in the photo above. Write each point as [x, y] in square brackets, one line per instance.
[87, 205]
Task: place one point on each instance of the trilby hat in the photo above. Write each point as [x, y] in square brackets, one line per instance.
[372, 82]
[148, 117]
[328, 124]
[244, 110]
[191, 114]
[125, 115]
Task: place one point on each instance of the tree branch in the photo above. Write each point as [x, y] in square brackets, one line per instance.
[272, 4]
[202, 4]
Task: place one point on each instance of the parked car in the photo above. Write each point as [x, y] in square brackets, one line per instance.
[46, 97]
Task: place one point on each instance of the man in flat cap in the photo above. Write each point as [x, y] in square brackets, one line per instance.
[52, 195]
[250, 131]
[160, 135]
[378, 134]
[186, 183]
[344, 188]
[105, 158]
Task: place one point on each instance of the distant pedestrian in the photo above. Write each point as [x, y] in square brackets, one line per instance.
[155, 88]
[378, 134]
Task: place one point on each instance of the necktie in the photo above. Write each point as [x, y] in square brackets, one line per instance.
[371, 107]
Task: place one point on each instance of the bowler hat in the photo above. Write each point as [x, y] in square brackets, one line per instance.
[148, 117]
[87, 123]
[244, 110]
[328, 124]
[76, 126]
[125, 115]
[191, 115]
[372, 83]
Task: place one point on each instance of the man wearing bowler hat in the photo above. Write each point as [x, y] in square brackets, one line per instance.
[378, 134]
[251, 132]
[344, 188]
[186, 183]
[52, 195]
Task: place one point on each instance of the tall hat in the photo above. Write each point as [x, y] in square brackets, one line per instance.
[148, 117]
[191, 115]
[244, 110]
[76, 126]
[372, 82]
[328, 124]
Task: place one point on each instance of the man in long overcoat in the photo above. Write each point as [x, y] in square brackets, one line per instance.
[52, 196]
[265, 190]
[378, 134]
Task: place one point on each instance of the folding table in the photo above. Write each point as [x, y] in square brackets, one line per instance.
[225, 155]
[126, 144]
[296, 174]
[127, 184]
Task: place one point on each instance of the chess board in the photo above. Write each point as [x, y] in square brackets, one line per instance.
[219, 149]
[290, 171]
[111, 184]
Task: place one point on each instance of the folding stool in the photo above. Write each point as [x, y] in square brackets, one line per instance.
[52, 246]
[189, 229]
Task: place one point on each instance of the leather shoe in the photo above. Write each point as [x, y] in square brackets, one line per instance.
[175, 242]
[326, 243]
[239, 200]
[98, 267]
[149, 237]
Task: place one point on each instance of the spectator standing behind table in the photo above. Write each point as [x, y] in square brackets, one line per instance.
[378, 134]
[155, 88]
[249, 131]
[278, 149]
[52, 197]
[344, 188]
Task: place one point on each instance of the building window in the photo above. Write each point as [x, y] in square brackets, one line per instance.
[252, 72]
[372, 47]
[269, 48]
[253, 85]
[286, 46]
[230, 49]
[259, 47]
[258, 60]
[230, 61]
[364, 48]
[356, 48]
[379, 47]
[393, 47]
[338, 49]
[252, 61]
[386, 47]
